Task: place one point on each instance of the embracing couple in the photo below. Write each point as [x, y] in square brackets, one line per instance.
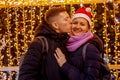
[66, 37]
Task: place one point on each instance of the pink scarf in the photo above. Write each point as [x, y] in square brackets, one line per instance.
[75, 42]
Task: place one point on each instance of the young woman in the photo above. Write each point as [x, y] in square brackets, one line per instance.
[76, 68]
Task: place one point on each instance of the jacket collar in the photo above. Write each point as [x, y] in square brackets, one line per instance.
[45, 30]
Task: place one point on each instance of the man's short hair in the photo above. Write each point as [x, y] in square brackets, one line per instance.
[53, 12]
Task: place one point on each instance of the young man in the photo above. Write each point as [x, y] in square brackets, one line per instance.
[55, 28]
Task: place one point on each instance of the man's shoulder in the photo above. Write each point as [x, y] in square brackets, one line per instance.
[35, 42]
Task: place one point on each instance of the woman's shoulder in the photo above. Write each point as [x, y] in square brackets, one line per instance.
[92, 52]
[97, 42]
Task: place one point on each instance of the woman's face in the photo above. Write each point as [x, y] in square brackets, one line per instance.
[79, 26]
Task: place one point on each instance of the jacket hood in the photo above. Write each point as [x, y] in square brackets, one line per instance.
[45, 30]
[98, 43]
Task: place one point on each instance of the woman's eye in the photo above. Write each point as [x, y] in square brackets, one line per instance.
[82, 24]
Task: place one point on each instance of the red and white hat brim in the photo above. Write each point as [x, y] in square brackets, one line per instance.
[84, 16]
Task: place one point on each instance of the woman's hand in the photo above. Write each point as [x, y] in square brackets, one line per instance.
[60, 57]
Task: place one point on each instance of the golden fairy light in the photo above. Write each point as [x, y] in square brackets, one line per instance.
[21, 17]
[117, 34]
[93, 7]
[105, 35]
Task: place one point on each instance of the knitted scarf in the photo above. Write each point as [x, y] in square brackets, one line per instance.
[75, 42]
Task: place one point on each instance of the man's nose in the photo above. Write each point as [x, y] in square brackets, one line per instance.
[70, 20]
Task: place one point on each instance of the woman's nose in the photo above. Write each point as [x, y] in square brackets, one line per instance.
[78, 26]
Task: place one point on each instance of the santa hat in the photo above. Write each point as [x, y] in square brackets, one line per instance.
[84, 12]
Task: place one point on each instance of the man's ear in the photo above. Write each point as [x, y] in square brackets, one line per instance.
[55, 26]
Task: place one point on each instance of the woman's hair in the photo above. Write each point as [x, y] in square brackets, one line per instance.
[53, 12]
[88, 24]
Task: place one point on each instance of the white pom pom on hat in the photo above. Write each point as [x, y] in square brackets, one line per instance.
[84, 12]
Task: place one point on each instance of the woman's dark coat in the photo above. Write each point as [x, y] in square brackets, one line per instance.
[77, 69]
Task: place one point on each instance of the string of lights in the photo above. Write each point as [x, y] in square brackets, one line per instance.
[18, 20]
[116, 28]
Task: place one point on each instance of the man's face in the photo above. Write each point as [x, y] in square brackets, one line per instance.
[63, 22]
